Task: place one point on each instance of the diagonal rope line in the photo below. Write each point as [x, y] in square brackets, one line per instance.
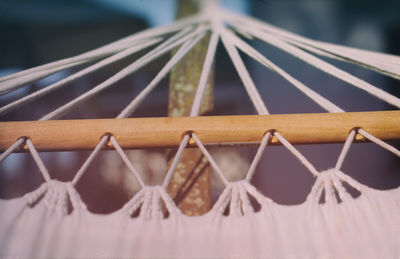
[11, 149]
[210, 159]
[183, 50]
[258, 156]
[345, 150]
[63, 82]
[212, 47]
[242, 71]
[196, 104]
[106, 50]
[155, 53]
[320, 100]
[323, 66]
[379, 142]
[126, 161]
[175, 162]
[38, 160]
[14, 84]
[296, 153]
[30, 75]
[90, 159]
[380, 62]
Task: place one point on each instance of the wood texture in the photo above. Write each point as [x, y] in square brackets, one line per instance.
[63, 135]
[190, 184]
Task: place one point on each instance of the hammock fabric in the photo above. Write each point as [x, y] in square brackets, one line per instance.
[53, 222]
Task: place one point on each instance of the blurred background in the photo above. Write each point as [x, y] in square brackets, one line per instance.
[41, 31]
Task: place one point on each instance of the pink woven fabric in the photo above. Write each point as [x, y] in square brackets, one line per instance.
[53, 222]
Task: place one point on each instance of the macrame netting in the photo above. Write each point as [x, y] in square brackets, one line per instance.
[53, 221]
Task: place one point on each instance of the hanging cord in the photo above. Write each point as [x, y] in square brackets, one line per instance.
[57, 85]
[296, 153]
[383, 63]
[90, 159]
[16, 80]
[126, 161]
[242, 70]
[258, 156]
[11, 149]
[183, 50]
[256, 55]
[320, 64]
[150, 56]
[345, 149]
[38, 160]
[205, 72]
[175, 162]
[368, 136]
[196, 104]
[210, 159]
[34, 153]
[379, 142]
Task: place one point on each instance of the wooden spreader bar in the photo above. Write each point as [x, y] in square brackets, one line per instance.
[64, 135]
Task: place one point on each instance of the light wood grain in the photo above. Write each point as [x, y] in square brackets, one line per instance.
[215, 130]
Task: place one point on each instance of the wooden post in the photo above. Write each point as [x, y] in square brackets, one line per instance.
[190, 185]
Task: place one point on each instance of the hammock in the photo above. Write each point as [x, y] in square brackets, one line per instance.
[52, 221]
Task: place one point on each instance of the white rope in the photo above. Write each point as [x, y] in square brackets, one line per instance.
[196, 104]
[379, 142]
[212, 47]
[322, 65]
[242, 71]
[63, 82]
[38, 160]
[99, 52]
[379, 62]
[183, 50]
[296, 153]
[90, 159]
[345, 149]
[14, 84]
[210, 159]
[321, 101]
[258, 156]
[11, 149]
[20, 79]
[175, 162]
[383, 63]
[155, 53]
[126, 161]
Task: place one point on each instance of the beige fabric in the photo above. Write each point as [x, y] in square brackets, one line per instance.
[40, 225]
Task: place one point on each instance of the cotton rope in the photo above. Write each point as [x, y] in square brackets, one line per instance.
[383, 63]
[345, 149]
[126, 161]
[155, 53]
[183, 50]
[324, 66]
[210, 158]
[150, 225]
[83, 72]
[38, 160]
[258, 156]
[296, 153]
[321, 101]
